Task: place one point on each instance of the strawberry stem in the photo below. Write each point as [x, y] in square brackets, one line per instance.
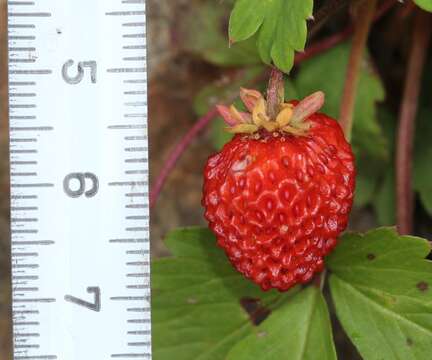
[408, 112]
[275, 93]
[364, 16]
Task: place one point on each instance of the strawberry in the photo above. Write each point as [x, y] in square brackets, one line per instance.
[280, 192]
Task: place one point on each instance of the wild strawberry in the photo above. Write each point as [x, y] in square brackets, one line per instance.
[280, 192]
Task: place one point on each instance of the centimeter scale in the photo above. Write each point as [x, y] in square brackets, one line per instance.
[79, 179]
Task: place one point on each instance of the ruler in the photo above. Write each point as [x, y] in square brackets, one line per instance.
[79, 179]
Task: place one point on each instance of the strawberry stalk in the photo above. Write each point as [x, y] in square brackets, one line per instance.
[275, 93]
[408, 112]
[365, 15]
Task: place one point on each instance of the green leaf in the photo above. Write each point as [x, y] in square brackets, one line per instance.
[422, 159]
[300, 330]
[196, 310]
[327, 73]
[203, 33]
[381, 287]
[424, 4]
[280, 25]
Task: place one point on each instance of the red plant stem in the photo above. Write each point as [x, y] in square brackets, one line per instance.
[310, 52]
[365, 15]
[177, 152]
[408, 113]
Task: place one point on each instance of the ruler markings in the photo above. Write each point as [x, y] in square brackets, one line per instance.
[128, 241]
[21, 26]
[22, 106]
[138, 275]
[127, 127]
[139, 321]
[22, 83]
[33, 185]
[127, 70]
[26, 254]
[137, 217]
[138, 287]
[13, 49]
[29, 231]
[22, 140]
[25, 174]
[136, 194]
[24, 208]
[134, 36]
[20, 3]
[137, 92]
[22, 94]
[32, 128]
[30, 14]
[25, 312]
[135, 172]
[138, 252]
[23, 162]
[36, 357]
[125, 13]
[133, 2]
[138, 309]
[21, 37]
[25, 277]
[130, 298]
[27, 346]
[31, 72]
[136, 103]
[27, 151]
[41, 300]
[129, 183]
[33, 242]
[136, 160]
[134, 47]
[135, 81]
[134, 24]
[137, 138]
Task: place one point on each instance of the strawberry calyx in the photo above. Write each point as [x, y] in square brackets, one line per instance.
[290, 118]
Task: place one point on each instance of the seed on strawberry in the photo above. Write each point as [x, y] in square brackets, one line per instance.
[280, 192]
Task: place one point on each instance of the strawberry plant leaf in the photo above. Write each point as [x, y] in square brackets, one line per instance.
[196, 309]
[203, 32]
[424, 4]
[367, 133]
[300, 330]
[381, 287]
[422, 155]
[203, 309]
[280, 25]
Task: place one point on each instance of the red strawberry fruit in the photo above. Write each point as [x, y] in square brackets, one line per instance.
[280, 192]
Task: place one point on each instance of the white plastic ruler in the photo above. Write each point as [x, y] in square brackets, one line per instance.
[79, 179]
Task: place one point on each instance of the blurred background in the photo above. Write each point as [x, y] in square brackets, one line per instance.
[188, 52]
